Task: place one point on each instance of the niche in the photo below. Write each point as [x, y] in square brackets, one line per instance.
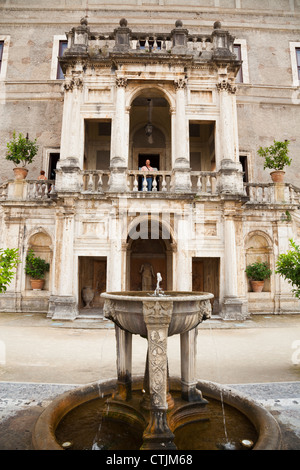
[258, 248]
[41, 243]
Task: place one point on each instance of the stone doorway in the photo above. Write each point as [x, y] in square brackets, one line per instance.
[206, 278]
[92, 273]
[145, 258]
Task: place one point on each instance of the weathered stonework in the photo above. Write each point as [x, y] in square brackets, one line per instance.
[214, 207]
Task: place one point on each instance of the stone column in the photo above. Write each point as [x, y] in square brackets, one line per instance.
[62, 304]
[234, 307]
[180, 160]
[119, 146]
[229, 146]
[71, 151]
[157, 316]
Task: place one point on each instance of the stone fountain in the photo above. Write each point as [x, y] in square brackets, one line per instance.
[157, 406]
[155, 317]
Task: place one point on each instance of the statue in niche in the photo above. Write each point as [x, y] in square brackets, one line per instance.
[147, 273]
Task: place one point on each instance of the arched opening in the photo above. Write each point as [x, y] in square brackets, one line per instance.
[258, 248]
[150, 130]
[41, 243]
[149, 251]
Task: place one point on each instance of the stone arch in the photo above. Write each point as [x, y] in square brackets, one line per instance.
[259, 247]
[41, 243]
[157, 89]
[150, 248]
[158, 145]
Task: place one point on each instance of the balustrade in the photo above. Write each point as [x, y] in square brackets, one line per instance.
[137, 180]
[204, 182]
[40, 189]
[94, 181]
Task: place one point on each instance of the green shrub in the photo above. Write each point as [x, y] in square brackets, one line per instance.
[276, 156]
[9, 259]
[21, 150]
[288, 266]
[258, 271]
[36, 267]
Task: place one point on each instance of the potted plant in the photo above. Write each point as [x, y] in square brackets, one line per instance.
[276, 158]
[36, 268]
[21, 151]
[257, 273]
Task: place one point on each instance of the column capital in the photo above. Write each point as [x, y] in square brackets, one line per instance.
[225, 85]
[121, 82]
[180, 83]
[72, 83]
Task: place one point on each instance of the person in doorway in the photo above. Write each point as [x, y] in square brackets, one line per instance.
[148, 167]
[42, 175]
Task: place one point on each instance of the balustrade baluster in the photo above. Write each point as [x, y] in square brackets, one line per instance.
[164, 184]
[145, 184]
[154, 184]
[135, 183]
[199, 184]
[90, 183]
[208, 184]
[100, 183]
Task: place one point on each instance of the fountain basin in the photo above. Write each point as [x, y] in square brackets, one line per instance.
[48, 424]
[127, 310]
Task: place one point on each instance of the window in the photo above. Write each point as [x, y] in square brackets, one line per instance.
[240, 49]
[298, 61]
[59, 45]
[237, 51]
[62, 46]
[1, 52]
[295, 61]
[4, 45]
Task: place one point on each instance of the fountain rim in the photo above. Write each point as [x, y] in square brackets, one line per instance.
[137, 296]
[268, 430]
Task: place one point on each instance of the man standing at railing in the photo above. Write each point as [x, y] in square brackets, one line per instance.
[147, 167]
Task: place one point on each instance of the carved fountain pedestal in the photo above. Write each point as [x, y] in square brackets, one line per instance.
[156, 317]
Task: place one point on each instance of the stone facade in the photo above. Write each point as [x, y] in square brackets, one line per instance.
[173, 84]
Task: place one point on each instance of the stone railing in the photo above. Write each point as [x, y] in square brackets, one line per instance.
[161, 180]
[84, 42]
[39, 189]
[270, 193]
[94, 181]
[204, 182]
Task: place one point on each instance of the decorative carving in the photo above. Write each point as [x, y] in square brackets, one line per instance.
[157, 316]
[109, 309]
[157, 313]
[204, 310]
[226, 86]
[180, 83]
[72, 83]
[121, 82]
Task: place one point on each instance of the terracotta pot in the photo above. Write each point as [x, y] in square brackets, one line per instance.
[277, 176]
[37, 284]
[257, 286]
[20, 173]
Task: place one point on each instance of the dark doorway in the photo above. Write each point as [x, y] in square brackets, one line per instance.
[53, 159]
[154, 160]
[92, 273]
[206, 278]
